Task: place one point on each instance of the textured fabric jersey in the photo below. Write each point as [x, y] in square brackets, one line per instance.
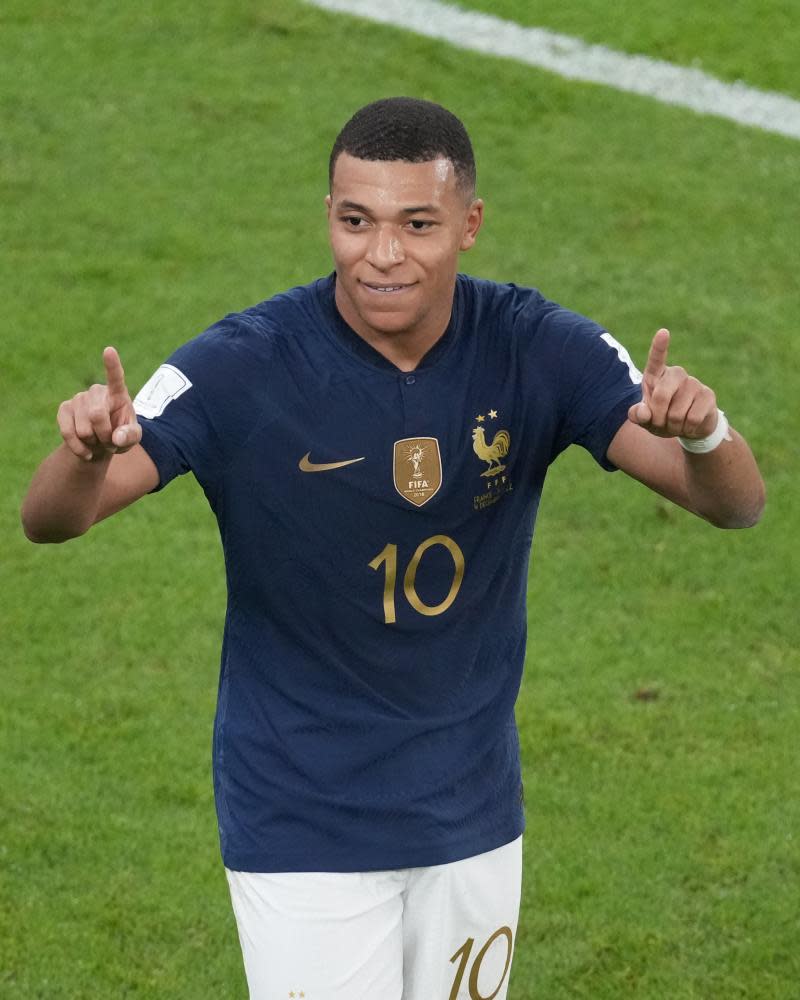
[377, 528]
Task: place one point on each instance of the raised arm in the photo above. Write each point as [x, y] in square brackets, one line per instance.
[721, 484]
[100, 467]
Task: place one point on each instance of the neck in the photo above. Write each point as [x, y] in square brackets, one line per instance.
[404, 348]
[405, 351]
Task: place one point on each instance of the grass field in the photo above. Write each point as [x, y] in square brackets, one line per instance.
[162, 164]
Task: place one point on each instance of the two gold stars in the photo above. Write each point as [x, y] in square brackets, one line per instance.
[492, 416]
[293, 995]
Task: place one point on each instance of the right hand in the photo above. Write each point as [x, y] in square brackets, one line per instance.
[101, 421]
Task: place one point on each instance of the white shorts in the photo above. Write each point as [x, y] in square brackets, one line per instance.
[445, 932]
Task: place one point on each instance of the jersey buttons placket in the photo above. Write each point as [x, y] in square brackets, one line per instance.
[413, 395]
[409, 391]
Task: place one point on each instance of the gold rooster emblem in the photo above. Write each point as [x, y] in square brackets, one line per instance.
[491, 453]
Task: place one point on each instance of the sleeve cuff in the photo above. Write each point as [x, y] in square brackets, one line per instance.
[163, 456]
[604, 431]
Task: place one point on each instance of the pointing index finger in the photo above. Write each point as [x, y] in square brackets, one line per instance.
[115, 375]
[657, 358]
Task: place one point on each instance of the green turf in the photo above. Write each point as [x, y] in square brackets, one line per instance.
[756, 43]
[162, 164]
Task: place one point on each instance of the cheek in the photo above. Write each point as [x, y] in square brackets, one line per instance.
[442, 263]
[343, 251]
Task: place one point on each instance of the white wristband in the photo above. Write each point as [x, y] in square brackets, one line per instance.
[701, 446]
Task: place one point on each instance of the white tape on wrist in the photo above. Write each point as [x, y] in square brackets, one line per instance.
[701, 446]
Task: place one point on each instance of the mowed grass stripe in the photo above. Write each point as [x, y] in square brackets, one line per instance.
[574, 59]
[724, 39]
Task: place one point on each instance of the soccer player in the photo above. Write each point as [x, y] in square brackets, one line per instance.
[374, 446]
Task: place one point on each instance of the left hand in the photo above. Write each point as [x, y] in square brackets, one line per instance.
[673, 403]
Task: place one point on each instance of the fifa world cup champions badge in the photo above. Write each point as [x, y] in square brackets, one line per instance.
[417, 469]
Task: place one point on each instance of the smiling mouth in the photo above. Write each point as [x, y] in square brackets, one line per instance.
[385, 289]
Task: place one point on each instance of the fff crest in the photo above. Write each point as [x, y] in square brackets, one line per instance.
[417, 469]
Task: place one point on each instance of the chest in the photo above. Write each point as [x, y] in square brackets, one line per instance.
[416, 442]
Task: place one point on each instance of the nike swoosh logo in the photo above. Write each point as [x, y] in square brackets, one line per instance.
[306, 465]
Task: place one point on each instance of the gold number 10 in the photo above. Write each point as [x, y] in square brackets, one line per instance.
[389, 557]
[465, 950]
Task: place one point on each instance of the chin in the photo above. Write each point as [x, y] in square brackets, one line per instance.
[385, 322]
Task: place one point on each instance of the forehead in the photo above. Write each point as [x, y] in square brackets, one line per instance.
[394, 182]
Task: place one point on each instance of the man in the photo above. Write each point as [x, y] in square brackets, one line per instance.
[374, 446]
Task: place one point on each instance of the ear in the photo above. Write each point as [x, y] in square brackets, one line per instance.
[472, 224]
[328, 204]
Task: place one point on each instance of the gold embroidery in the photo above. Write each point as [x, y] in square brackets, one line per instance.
[491, 453]
[306, 465]
[417, 469]
[388, 557]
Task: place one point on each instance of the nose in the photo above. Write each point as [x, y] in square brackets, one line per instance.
[385, 248]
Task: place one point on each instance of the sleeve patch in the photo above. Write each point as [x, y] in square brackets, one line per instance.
[159, 391]
[624, 357]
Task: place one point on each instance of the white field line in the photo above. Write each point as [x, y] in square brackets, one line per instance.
[574, 59]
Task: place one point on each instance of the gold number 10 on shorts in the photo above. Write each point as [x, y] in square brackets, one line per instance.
[463, 954]
[388, 556]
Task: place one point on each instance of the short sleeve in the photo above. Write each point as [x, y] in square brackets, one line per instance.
[197, 407]
[598, 384]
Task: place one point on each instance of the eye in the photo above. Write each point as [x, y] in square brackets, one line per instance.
[354, 221]
[419, 225]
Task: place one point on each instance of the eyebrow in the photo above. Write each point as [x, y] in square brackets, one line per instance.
[411, 210]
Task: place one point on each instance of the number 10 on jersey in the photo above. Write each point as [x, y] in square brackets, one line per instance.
[387, 557]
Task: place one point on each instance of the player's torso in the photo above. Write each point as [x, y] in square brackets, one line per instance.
[377, 529]
[403, 493]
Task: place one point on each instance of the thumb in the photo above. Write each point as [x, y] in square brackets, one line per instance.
[640, 413]
[126, 435]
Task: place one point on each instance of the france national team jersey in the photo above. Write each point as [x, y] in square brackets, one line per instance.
[377, 527]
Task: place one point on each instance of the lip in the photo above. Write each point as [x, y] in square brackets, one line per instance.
[387, 289]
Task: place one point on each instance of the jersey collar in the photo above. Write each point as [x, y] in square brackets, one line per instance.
[355, 345]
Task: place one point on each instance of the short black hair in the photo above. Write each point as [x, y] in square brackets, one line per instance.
[406, 128]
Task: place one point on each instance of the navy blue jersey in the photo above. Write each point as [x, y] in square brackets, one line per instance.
[377, 528]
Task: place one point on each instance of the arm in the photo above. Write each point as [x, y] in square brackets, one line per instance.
[723, 486]
[99, 469]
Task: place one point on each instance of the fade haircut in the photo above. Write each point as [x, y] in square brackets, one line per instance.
[405, 128]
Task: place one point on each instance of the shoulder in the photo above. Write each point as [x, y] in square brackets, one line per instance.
[526, 315]
[523, 307]
[503, 301]
[249, 337]
[287, 312]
